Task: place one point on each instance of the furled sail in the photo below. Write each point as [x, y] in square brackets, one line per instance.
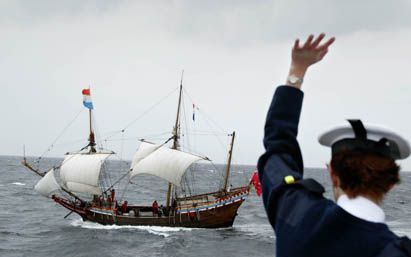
[163, 162]
[47, 185]
[81, 172]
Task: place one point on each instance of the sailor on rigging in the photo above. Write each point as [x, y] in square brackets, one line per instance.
[362, 171]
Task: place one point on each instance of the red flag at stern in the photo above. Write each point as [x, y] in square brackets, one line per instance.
[255, 181]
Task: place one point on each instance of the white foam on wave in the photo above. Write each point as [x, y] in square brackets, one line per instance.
[18, 184]
[155, 230]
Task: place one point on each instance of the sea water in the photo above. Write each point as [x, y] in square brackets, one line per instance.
[31, 225]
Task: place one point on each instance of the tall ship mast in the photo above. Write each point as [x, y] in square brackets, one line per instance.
[83, 189]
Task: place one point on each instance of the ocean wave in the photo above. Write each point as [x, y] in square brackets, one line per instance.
[400, 227]
[155, 230]
[256, 230]
[18, 184]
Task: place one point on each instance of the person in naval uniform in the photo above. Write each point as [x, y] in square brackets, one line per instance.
[362, 171]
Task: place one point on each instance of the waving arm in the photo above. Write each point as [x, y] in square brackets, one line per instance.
[307, 54]
[283, 156]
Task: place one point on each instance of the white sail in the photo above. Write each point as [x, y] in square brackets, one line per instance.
[47, 185]
[81, 172]
[163, 162]
[144, 150]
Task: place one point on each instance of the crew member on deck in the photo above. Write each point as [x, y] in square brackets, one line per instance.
[154, 208]
[113, 194]
[124, 207]
[362, 171]
[109, 201]
[110, 198]
[100, 201]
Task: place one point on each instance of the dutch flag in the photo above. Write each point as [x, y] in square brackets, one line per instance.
[87, 99]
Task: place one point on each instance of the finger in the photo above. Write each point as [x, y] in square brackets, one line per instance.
[322, 54]
[308, 42]
[327, 44]
[317, 41]
[297, 44]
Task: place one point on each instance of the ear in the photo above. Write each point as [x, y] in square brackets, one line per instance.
[334, 178]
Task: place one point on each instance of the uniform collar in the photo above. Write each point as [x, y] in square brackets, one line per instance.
[362, 208]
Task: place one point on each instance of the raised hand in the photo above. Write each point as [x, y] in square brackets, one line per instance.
[303, 56]
[310, 52]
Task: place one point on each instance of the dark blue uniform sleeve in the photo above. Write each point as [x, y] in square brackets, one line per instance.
[306, 223]
[283, 156]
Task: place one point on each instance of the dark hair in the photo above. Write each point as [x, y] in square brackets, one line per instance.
[368, 174]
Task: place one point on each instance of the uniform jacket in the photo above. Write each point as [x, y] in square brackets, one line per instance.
[306, 223]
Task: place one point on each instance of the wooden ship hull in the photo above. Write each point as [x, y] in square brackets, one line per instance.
[82, 172]
[195, 212]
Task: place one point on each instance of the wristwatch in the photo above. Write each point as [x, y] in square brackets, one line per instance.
[294, 80]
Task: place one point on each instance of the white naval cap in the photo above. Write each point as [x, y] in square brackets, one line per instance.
[369, 138]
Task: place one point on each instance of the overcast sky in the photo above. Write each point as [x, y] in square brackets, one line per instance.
[234, 54]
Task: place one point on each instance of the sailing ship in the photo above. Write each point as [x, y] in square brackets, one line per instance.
[80, 174]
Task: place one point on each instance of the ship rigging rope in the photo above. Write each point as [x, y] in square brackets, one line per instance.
[221, 175]
[105, 177]
[69, 142]
[128, 172]
[215, 123]
[209, 121]
[142, 114]
[155, 136]
[186, 187]
[97, 132]
[191, 184]
[111, 185]
[193, 180]
[124, 191]
[187, 143]
[186, 139]
[57, 138]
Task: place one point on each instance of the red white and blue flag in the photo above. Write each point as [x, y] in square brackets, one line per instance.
[87, 99]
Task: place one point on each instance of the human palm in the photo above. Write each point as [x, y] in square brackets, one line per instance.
[310, 52]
